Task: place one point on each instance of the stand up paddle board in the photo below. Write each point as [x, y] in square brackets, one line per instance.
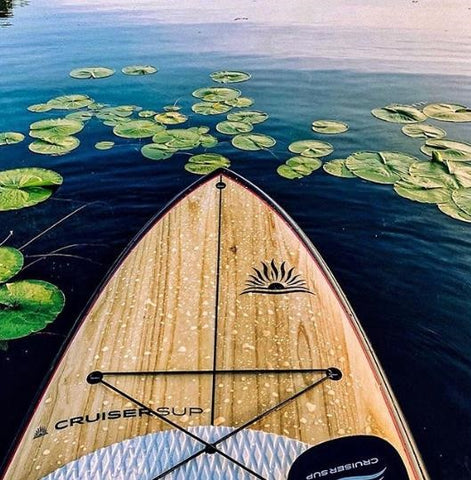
[219, 347]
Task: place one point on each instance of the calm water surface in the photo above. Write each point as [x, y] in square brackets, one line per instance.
[404, 266]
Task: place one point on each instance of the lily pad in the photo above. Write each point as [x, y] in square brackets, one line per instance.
[462, 199]
[28, 306]
[178, 138]
[208, 108]
[225, 76]
[448, 112]
[137, 129]
[338, 168]
[423, 131]
[329, 127]
[287, 172]
[54, 145]
[452, 210]
[233, 128]
[208, 141]
[216, 94]
[147, 113]
[39, 108]
[298, 167]
[206, 163]
[122, 111]
[420, 194]
[253, 141]
[155, 151]
[251, 116]
[380, 167]
[172, 108]
[241, 102]
[432, 175]
[304, 165]
[70, 102]
[57, 127]
[10, 138]
[397, 113]
[311, 148]
[11, 262]
[461, 171]
[104, 145]
[91, 73]
[448, 149]
[81, 116]
[171, 118]
[139, 70]
[25, 187]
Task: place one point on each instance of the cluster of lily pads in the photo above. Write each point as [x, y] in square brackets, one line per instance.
[26, 306]
[444, 179]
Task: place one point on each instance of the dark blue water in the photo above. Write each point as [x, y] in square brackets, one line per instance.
[404, 266]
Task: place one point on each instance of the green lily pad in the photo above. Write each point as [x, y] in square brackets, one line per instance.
[139, 70]
[122, 111]
[208, 141]
[337, 168]
[105, 145]
[172, 108]
[423, 131]
[178, 138]
[431, 175]
[28, 306]
[452, 210]
[304, 165]
[241, 102]
[225, 76]
[171, 118]
[206, 163]
[208, 108]
[137, 129]
[70, 102]
[95, 107]
[216, 94]
[380, 167]
[147, 113]
[57, 127]
[251, 116]
[461, 171]
[81, 116]
[286, 171]
[448, 112]
[25, 187]
[448, 149]
[54, 145]
[253, 141]
[396, 113]
[462, 199]
[39, 108]
[91, 73]
[155, 151]
[311, 148]
[233, 128]
[11, 262]
[329, 127]
[298, 167]
[420, 194]
[10, 138]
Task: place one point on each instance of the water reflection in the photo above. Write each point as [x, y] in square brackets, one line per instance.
[6, 10]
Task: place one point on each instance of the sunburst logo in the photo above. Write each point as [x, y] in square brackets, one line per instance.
[274, 279]
[40, 432]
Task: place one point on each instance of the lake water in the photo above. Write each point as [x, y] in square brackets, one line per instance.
[404, 266]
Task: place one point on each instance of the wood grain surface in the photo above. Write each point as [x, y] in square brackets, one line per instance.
[221, 281]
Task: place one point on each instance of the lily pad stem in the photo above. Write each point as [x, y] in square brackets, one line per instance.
[5, 240]
[39, 235]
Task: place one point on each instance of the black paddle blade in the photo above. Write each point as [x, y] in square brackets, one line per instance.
[360, 457]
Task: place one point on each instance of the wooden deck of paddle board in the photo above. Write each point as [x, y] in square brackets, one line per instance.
[221, 280]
